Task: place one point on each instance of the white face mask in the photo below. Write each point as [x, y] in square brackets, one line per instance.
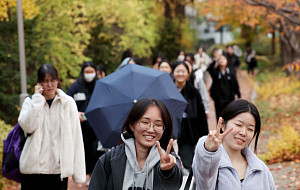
[180, 58]
[89, 77]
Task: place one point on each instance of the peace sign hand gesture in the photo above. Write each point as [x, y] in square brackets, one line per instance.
[167, 160]
[215, 138]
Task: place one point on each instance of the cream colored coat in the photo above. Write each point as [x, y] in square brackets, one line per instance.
[55, 145]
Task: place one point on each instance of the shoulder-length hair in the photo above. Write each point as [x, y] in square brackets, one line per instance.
[243, 106]
[139, 109]
[48, 69]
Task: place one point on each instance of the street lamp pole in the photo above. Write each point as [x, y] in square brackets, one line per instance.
[21, 53]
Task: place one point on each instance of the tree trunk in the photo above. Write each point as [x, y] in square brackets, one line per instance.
[289, 47]
[273, 44]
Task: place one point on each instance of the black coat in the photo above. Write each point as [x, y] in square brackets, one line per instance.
[82, 91]
[194, 123]
[233, 61]
[224, 87]
[81, 87]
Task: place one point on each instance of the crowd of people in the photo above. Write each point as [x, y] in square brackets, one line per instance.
[62, 143]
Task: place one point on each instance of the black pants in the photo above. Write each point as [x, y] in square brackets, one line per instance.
[186, 153]
[219, 108]
[89, 138]
[250, 70]
[43, 181]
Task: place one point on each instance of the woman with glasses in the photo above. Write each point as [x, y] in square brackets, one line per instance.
[194, 122]
[54, 148]
[144, 159]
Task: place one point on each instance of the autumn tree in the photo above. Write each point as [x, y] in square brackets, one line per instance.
[116, 27]
[173, 28]
[284, 18]
[279, 15]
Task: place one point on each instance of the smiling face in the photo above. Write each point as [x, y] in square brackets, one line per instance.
[164, 66]
[242, 134]
[223, 61]
[145, 139]
[180, 74]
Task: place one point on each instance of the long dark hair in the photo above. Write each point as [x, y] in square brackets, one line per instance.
[48, 69]
[243, 106]
[139, 109]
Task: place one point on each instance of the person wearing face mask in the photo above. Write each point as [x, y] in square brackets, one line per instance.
[181, 55]
[82, 91]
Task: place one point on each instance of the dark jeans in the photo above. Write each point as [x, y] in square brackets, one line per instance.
[43, 181]
[186, 153]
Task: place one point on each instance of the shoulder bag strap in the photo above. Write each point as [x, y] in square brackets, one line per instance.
[217, 181]
[188, 181]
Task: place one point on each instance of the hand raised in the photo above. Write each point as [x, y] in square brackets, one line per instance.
[167, 160]
[38, 88]
[215, 138]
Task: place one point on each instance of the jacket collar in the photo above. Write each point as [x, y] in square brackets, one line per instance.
[254, 163]
[63, 97]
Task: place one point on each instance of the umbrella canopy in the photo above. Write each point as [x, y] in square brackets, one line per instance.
[114, 96]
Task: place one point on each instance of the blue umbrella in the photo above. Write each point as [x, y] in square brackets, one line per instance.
[115, 95]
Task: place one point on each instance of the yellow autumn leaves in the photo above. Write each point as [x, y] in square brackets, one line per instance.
[30, 9]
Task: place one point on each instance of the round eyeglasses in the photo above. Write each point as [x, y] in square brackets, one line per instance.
[146, 125]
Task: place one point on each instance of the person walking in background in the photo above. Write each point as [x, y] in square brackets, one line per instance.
[54, 148]
[232, 59]
[202, 61]
[156, 60]
[126, 53]
[101, 72]
[194, 123]
[141, 161]
[181, 55]
[81, 91]
[224, 84]
[250, 59]
[190, 57]
[130, 60]
[196, 79]
[201, 87]
[165, 65]
[223, 159]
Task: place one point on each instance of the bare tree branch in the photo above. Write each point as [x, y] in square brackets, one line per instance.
[290, 15]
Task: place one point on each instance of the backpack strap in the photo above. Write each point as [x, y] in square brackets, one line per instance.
[107, 166]
[217, 180]
[188, 181]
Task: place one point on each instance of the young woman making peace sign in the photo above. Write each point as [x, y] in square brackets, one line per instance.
[138, 163]
[224, 160]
